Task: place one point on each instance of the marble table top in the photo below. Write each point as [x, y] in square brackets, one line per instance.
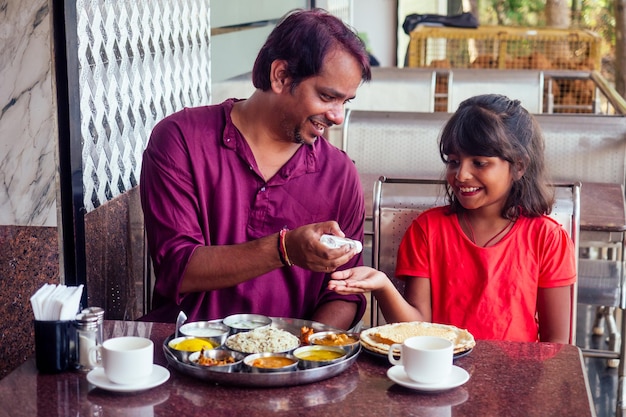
[506, 378]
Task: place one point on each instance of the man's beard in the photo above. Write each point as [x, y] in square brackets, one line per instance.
[297, 137]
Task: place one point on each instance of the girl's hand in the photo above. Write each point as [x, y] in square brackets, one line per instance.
[357, 280]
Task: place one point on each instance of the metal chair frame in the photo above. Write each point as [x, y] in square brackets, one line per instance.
[397, 201]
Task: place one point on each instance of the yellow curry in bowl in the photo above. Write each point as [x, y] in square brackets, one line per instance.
[191, 344]
[317, 356]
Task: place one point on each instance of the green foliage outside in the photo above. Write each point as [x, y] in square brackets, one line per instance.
[526, 13]
[594, 15]
[599, 16]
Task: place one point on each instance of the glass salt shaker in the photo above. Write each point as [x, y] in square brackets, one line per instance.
[99, 312]
[87, 336]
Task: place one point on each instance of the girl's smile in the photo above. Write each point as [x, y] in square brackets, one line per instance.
[468, 190]
[479, 181]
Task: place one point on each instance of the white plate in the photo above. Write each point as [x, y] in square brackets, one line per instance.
[386, 357]
[457, 377]
[464, 340]
[98, 378]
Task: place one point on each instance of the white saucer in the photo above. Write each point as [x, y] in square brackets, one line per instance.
[457, 377]
[98, 378]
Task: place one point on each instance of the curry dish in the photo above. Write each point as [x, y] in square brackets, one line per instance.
[204, 361]
[320, 355]
[335, 339]
[272, 362]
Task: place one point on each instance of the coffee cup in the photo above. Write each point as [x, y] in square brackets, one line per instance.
[426, 359]
[125, 360]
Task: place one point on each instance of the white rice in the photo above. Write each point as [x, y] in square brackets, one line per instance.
[265, 339]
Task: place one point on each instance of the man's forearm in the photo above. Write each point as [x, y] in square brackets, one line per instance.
[215, 267]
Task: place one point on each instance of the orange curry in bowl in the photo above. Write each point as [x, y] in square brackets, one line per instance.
[272, 362]
[335, 339]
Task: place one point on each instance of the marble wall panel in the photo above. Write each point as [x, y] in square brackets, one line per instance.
[29, 246]
[28, 129]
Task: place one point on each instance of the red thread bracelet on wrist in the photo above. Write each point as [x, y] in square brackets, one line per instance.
[282, 248]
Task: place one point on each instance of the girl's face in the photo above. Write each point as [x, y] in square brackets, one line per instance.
[479, 182]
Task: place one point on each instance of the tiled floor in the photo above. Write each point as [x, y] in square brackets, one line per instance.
[602, 379]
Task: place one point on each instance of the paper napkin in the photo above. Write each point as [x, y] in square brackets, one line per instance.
[56, 302]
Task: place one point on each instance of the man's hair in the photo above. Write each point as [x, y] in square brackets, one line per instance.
[303, 38]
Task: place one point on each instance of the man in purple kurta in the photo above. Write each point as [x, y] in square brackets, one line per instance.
[220, 182]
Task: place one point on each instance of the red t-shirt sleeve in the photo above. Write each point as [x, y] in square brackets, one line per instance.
[558, 263]
[413, 257]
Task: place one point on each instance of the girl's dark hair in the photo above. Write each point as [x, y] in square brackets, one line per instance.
[493, 125]
[303, 38]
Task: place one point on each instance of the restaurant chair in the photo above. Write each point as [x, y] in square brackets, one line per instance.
[148, 278]
[397, 201]
[600, 281]
[593, 149]
[397, 89]
[524, 85]
[393, 144]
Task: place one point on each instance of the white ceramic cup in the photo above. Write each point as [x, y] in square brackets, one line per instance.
[426, 359]
[125, 360]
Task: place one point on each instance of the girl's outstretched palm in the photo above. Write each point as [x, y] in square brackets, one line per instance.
[357, 280]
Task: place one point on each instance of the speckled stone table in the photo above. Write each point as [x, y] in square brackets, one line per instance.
[507, 379]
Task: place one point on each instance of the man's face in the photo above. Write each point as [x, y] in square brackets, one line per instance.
[317, 103]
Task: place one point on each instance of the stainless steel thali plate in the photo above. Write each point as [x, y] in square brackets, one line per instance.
[275, 379]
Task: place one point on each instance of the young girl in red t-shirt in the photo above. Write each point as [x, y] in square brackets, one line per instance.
[492, 261]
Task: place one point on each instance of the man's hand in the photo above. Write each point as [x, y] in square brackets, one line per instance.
[305, 249]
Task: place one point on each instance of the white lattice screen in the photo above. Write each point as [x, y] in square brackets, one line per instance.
[139, 61]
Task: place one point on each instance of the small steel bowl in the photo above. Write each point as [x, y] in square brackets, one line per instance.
[245, 322]
[183, 354]
[316, 356]
[270, 362]
[345, 340]
[219, 355]
[213, 330]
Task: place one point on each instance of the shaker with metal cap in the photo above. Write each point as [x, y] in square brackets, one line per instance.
[87, 336]
[99, 312]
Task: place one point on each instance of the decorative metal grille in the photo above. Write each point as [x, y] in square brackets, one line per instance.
[139, 62]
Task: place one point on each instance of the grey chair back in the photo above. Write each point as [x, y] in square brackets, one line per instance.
[397, 201]
[397, 89]
[523, 85]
